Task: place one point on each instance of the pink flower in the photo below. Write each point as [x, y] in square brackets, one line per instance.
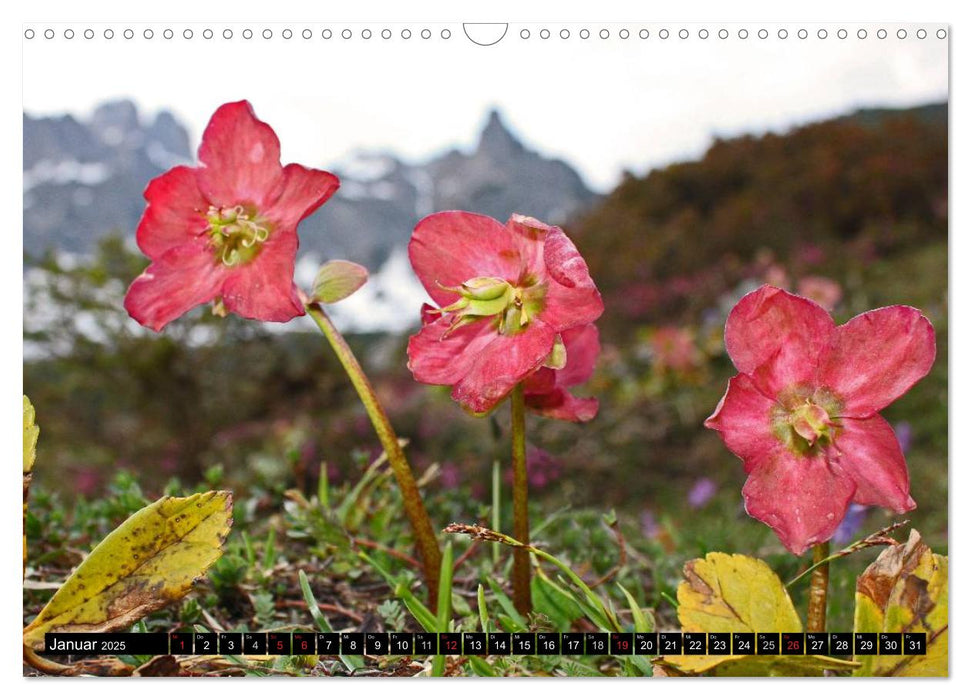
[505, 296]
[674, 350]
[776, 275]
[546, 389]
[226, 231]
[802, 412]
[824, 291]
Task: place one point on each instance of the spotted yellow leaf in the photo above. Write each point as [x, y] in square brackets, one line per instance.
[149, 561]
[736, 593]
[905, 590]
[31, 433]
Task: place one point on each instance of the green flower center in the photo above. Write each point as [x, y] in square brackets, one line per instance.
[806, 420]
[510, 306]
[237, 234]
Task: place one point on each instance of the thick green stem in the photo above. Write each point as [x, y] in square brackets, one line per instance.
[818, 589]
[425, 540]
[520, 504]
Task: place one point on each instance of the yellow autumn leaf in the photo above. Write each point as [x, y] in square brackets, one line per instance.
[747, 666]
[736, 593]
[905, 590]
[147, 562]
[31, 432]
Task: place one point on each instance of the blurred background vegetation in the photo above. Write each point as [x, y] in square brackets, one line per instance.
[852, 212]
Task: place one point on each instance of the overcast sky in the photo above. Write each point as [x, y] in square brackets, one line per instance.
[604, 105]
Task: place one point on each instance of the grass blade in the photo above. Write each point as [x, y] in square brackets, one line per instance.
[483, 611]
[419, 611]
[351, 663]
[506, 604]
[444, 605]
[642, 623]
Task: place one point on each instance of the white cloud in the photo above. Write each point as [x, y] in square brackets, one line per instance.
[603, 105]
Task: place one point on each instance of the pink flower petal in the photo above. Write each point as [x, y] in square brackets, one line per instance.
[175, 213]
[802, 498]
[505, 362]
[241, 156]
[435, 359]
[542, 381]
[528, 227]
[562, 405]
[743, 419]
[545, 388]
[582, 350]
[531, 237]
[263, 288]
[182, 278]
[869, 452]
[877, 356]
[564, 262]
[771, 324]
[572, 299]
[301, 191]
[451, 247]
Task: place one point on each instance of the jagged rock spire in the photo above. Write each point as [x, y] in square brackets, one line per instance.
[496, 140]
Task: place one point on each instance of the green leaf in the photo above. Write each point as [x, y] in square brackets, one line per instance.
[508, 624]
[445, 590]
[323, 624]
[337, 280]
[444, 604]
[508, 607]
[905, 590]
[552, 601]
[736, 593]
[350, 662]
[419, 611]
[643, 622]
[483, 610]
[591, 606]
[481, 667]
[147, 562]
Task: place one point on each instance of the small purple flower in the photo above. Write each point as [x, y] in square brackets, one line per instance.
[649, 527]
[542, 468]
[846, 532]
[450, 476]
[905, 435]
[701, 492]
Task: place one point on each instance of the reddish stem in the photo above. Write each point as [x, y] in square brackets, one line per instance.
[818, 590]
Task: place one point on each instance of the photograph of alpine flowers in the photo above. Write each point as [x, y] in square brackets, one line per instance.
[604, 352]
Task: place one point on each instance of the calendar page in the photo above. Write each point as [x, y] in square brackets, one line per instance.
[485, 349]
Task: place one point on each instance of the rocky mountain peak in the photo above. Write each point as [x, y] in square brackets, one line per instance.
[496, 140]
[84, 178]
[113, 121]
[171, 135]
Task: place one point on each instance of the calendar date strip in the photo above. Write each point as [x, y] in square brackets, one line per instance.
[487, 644]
